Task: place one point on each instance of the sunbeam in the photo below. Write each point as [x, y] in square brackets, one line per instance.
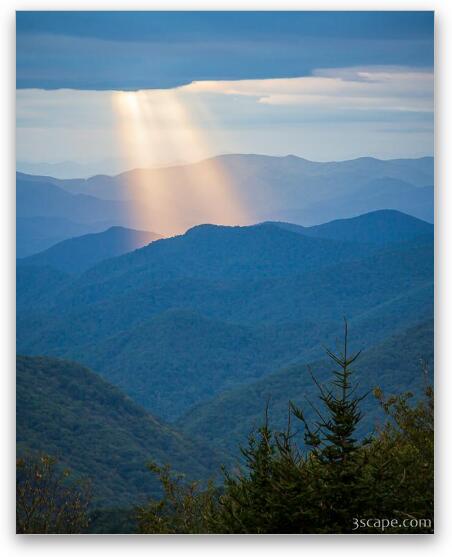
[155, 126]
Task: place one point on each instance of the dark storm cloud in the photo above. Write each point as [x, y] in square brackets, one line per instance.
[140, 50]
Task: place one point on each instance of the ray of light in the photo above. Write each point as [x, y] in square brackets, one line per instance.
[154, 125]
[138, 143]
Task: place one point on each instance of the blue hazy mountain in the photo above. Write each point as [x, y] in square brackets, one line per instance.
[378, 194]
[186, 317]
[70, 169]
[41, 197]
[78, 254]
[289, 188]
[36, 286]
[379, 227]
[268, 173]
[66, 410]
[212, 255]
[35, 234]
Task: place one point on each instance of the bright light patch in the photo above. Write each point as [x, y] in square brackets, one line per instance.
[159, 125]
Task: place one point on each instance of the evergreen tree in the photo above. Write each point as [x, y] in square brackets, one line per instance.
[320, 489]
[335, 453]
[247, 504]
[323, 486]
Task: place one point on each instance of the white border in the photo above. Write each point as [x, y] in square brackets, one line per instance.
[441, 542]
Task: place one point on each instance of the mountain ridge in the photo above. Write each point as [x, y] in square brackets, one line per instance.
[263, 188]
[278, 291]
[82, 252]
[380, 227]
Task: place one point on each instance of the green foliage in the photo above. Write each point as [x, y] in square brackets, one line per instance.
[245, 506]
[47, 501]
[185, 508]
[284, 491]
[325, 488]
[400, 460]
[190, 358]
[66, 410]
[337, 479]
[106, 520]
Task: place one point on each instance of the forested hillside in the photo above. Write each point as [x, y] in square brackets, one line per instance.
[204, 331]
[398, 363]
[181, 320]
[75, 255]
[69, 412]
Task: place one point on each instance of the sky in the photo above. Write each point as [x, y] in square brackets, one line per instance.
[152, 88]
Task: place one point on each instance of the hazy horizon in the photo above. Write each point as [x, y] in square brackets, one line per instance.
[69, 169]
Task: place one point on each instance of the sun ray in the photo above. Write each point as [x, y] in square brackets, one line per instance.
[154, 125]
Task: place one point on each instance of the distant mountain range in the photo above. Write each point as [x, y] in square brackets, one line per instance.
[183, 319]
[38, 196]
[290, 188]
[78, 254]
[70, 169]
[47, 214]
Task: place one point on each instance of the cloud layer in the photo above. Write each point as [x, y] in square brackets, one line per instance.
[378, 88]
[133, 50]
[384, 111]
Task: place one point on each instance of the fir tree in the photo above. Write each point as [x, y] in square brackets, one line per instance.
[246, 506]
[320, 489]
[323, 486]
[335, 453]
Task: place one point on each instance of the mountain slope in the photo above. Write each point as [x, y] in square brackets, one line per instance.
[217, 307]
[317, 292]
[378, 227]
[35, 234]
[179, 357]
[75, 255]
[211, 252]
[36, 286]
[394, 365]
[66, 410]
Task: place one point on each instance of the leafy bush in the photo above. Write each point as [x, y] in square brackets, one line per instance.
[47, 501]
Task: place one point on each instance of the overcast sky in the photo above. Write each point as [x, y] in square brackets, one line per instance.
[324, 86]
